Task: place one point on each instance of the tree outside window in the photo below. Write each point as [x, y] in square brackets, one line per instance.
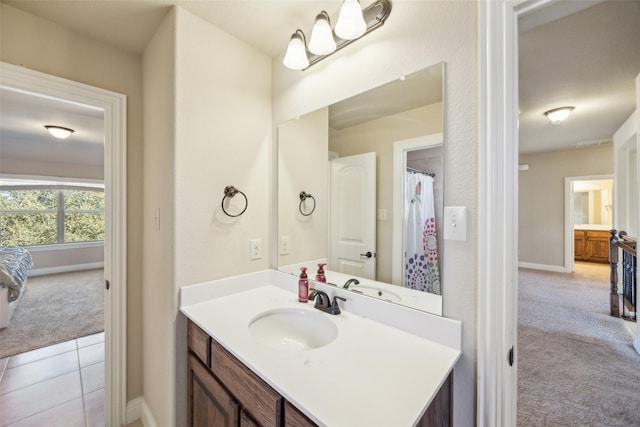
[44, 216]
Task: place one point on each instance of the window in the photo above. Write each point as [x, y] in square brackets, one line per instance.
[45, 215]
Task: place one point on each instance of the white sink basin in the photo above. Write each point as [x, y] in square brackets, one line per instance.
[293, 328]
[378, 293]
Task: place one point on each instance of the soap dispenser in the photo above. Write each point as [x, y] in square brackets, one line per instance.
[320, 277]
[303, 286]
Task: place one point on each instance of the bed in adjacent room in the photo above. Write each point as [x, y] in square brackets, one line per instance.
[15, 262]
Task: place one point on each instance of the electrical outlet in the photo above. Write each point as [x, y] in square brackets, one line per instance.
[284, 245]
[255, 249]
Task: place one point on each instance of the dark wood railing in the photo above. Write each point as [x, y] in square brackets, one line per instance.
[627, 300]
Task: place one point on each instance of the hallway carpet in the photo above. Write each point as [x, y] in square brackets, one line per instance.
[576, 364]
[55, 308]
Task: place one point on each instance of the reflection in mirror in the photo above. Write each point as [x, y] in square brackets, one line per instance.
[353, 157]
[592, 203]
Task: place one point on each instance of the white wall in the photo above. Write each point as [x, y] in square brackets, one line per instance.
[158, 64]
[207, 125]
[303, 165]
[541, 197]
[416, 35]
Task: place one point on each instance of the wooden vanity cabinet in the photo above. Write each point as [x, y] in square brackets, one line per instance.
[591, 245]
[223, 392]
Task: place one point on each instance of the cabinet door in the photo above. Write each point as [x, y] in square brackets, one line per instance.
[579, 245]
[209, 403]
[246, 420]
[597, 246]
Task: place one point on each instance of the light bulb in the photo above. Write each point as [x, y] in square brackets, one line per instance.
[322, 42]
[296, 56]
[350, 23]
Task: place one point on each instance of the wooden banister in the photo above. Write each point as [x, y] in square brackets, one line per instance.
[619, 240]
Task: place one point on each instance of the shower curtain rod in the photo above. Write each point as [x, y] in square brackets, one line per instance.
[432, 175]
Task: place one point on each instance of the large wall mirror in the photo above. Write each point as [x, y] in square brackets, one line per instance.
[360, 188]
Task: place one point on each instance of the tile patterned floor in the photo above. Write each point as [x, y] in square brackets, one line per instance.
[61, 385]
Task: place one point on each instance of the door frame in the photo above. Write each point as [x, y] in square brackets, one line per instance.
[115, 242]
[497, 287]
[569, 257]
[400, 150]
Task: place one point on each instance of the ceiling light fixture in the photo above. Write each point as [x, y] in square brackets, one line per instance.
[59, 132]
[557, 115]
[353, 23]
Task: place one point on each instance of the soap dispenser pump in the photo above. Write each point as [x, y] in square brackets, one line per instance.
[303, 286]
[320, 277]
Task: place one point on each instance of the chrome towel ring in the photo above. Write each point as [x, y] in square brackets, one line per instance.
[304, 196]
[230, 191]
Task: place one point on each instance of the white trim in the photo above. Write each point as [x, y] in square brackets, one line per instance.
[147, 416]
[544, 267]
[114, 106]
[498, 207]
[400, 149]
[134, 409]
[65, 269]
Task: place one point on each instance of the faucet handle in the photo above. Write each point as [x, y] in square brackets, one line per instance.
[335, 308]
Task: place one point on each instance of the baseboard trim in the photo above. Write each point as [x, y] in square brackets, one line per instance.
[137, 409]
[636, 344]
[147, 416]
[134, 409]
[545, 267]
[65, 269]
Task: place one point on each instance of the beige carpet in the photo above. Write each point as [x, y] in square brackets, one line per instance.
[576, 364]
[56, 308]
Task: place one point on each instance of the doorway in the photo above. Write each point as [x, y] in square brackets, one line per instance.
[114, 106]
[588, 219]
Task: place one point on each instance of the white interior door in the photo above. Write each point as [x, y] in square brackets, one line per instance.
[352, 222]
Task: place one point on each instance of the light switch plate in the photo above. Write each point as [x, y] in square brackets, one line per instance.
[455, 223]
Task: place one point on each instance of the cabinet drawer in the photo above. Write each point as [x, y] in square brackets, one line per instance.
[198, 342]
[260, 400]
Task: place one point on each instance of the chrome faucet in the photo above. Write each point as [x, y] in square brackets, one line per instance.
[324, 303]
[349, 282]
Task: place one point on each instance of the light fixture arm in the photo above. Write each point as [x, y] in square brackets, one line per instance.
[374, 15]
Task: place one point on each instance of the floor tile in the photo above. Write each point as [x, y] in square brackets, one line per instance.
[92, 377]
[40, 370]
[41, 353]
[70, 414]
[94, 407]
[91, 354]
[39, 397]
[90, 340]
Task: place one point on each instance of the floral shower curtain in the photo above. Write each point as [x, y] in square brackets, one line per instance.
[421, 269]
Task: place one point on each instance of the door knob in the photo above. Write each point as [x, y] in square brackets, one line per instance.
[369, 254]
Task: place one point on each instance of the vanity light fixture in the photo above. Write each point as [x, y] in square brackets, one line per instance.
[350, 23]
[353, 23]
[557, 115]
[322, 42]
[59, 132]
[296, 57]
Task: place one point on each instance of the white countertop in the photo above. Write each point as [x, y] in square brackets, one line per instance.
[370, 375]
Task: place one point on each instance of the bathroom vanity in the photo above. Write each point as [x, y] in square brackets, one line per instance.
[258, 357]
